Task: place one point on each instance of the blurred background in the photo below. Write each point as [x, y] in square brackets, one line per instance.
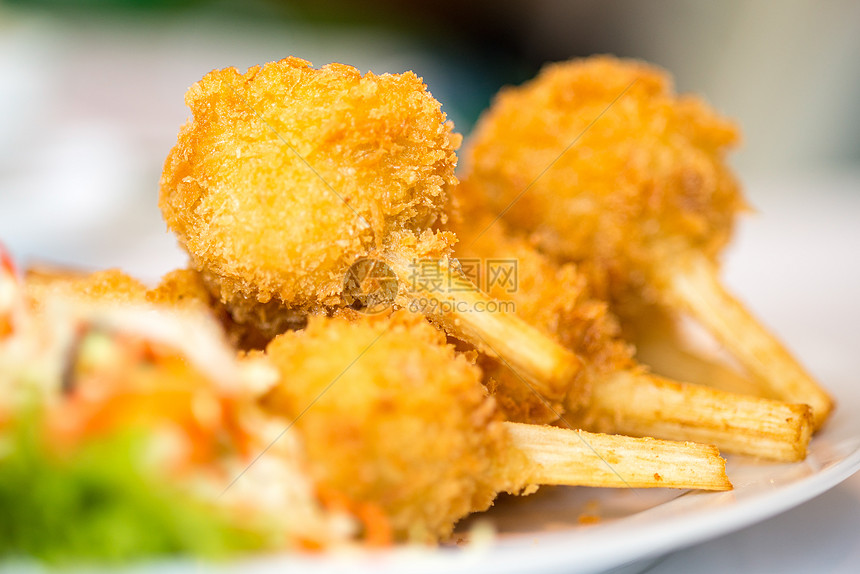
[91, 92]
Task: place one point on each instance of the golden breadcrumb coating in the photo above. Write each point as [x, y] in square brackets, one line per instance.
[108, 286]
[554, 298]
[601, 161]
[389, 413]
[286, 174]
[181, 288]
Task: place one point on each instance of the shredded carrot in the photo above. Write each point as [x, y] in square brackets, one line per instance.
[242, 439]
[6, 263]
[377, 528]
[309, 544]
[333, 500]
[5, 327]
[143, 350]
[7, 267]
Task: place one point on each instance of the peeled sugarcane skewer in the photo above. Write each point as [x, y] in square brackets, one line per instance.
[681, 351]
[693, 286]
[562, 456]
[645, 405]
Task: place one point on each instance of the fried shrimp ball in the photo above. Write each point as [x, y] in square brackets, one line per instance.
[285, 175]
[616, 166]
[602, 163]
[391, 414]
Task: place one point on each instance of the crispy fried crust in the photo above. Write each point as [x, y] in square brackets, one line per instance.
[613, 165]
[286, 174]
[111, 285]
[181, 288]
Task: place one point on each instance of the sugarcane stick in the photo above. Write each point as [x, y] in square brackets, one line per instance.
[640, 404]
[694, 287]
[462, 309]
[574, 457]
